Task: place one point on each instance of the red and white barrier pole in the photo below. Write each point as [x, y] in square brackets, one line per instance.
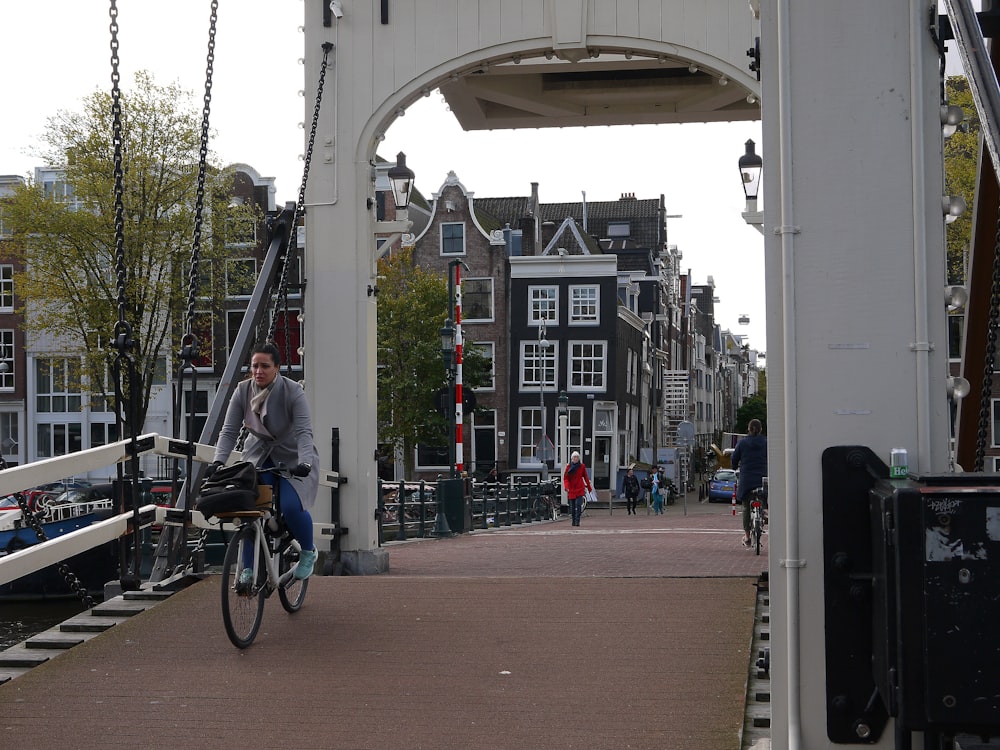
[734, 502]
[459, 453]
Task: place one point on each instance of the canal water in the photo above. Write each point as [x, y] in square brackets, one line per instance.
[21, 620]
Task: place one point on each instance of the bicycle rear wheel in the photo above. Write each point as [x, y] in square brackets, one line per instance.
[242, 604]
[293, 594]
[758, 531]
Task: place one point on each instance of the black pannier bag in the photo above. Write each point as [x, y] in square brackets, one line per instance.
[230, 489]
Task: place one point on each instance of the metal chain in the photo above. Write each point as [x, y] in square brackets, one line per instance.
[292, 249]
[982, 433]
[202, 166]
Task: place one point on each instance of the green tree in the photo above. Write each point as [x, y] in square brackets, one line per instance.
[412, 307]
[961, 155]
[754, 407]
[65, 239]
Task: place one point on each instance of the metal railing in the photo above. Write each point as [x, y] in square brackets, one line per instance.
[408, 510]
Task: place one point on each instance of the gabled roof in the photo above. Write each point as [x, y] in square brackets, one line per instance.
[573, 239]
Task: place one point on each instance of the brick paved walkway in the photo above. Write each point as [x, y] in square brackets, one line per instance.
[627, 632]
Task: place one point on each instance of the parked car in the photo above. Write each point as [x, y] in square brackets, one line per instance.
[722, 485]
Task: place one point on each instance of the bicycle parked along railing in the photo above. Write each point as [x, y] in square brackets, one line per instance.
[260, 559]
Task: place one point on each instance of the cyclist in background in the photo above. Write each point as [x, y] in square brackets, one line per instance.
[750, 457]
[275, 412]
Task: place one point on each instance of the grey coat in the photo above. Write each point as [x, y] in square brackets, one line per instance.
[289, 423]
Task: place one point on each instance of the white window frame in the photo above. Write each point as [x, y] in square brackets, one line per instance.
[7, 355]
[441, 239]
[543, 304]
[6, 288]
[576, 357]
[466, 317]
[539, 372]
[489, 351]
[230, 263]
[530, 429]
[575, 305]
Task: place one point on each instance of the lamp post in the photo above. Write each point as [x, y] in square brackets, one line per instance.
[563, 412]
[401, 179]
[750, 168]
[447, 332]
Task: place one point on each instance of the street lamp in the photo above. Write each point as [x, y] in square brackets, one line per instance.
[447, 333]
[750, 168]
[563, 413]
[401, 179]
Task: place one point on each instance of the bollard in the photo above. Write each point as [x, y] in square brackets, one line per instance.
[734, 502]
[422, 501]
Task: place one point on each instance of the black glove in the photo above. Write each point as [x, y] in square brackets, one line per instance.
[212, 468]
[302, 470]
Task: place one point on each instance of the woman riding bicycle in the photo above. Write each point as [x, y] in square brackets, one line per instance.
[750, 457]
[275, 412]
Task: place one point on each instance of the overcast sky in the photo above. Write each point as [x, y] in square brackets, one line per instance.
[56, 52]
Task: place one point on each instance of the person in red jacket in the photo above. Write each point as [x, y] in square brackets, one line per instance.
[577, 483]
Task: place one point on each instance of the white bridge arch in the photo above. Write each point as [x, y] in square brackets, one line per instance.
[852, 190]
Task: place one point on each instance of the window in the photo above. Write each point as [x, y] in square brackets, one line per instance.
[7, 358]
[202, 329]
[955, 324]
[10, 429]
[6, 288]
[103, 433]
[538, 366]
[529, 432]
[583, 305]
[587, 365]
[996, 423]
[58, 386]
[241, 231]
[488, 350]
[241, 275]
[477, 300]
[619, 229]
[574, 430]
[432, 457]
[196, 405]
[453, 239]
[59, 439]
[290, 353]
[543, 304]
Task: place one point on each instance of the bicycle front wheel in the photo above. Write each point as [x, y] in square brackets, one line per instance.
[294, 593]
[242, 600]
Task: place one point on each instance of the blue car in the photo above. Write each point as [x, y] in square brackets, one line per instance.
[722, 485]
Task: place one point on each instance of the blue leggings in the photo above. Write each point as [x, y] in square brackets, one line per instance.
[298, 518]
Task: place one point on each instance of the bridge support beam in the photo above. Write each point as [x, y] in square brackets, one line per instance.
[854, 234]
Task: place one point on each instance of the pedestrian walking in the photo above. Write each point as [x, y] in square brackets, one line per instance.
[658, 491]
[630, 491]
[576, 480]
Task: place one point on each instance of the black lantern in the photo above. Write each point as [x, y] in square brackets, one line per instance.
[750, 167]
[401, 178]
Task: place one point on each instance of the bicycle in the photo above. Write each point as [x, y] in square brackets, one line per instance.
[759, 497]
[263, 535]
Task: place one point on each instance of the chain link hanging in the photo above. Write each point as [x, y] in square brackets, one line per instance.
[281, 301]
